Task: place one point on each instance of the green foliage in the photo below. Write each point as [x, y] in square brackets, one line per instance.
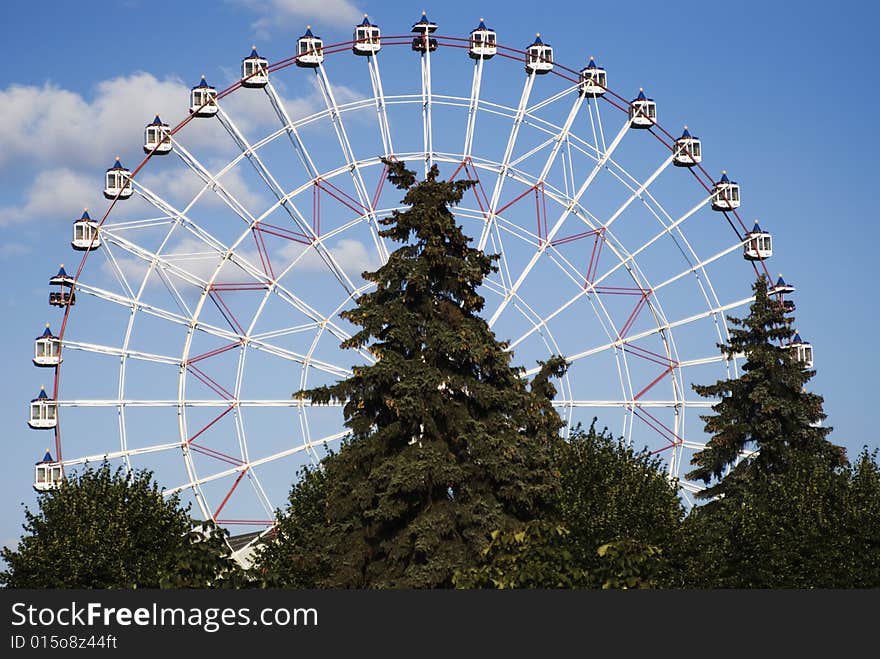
[809, 526]
[294, 557]
[766, 409]
[535, 555]
[448, 442]
[611, 493]
[101, 529]
[615, 510]
[627, 564]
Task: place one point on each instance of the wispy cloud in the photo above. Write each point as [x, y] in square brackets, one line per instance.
[286, 14]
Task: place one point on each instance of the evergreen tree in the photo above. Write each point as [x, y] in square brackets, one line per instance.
[448, 442]
[766, 410]
[103, 529]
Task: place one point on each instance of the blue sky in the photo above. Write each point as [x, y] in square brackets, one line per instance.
[783, 102]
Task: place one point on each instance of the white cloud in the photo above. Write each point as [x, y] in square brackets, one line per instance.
[55, 194]
[352, 256]
[49, 124]
[180, 185]
[273, 14]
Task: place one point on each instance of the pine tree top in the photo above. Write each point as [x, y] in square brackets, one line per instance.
[766, 412]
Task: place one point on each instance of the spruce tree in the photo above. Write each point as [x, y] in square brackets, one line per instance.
[448, 442]
[766, 411]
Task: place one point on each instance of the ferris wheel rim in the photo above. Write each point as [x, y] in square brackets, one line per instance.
[341, 47]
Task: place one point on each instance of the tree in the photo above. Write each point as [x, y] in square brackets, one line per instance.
[536, 555]
[766, 410]
[294, 557]
[103, 529]
[809, 526]
[448, 442]
[611, 493]
[615, 518]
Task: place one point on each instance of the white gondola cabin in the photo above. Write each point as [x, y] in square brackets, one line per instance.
[725, 194]
[687, 150]
[117, 182]
[47, 349]
[44, 412]
[424, 28]
[539, 57]
[203, 100]
[157, 138]
[803, 351]
[309, 50]
[367, 38]
[85, 233]
[483, 42]
[48, 474]
[64, 296]
[593, 80]
[642, 111]
[254, 70]
[758, 245]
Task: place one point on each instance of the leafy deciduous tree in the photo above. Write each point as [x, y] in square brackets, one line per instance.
[103, 529]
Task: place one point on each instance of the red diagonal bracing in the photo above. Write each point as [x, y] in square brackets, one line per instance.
[478, 189]
[231, 490]
[217, 455]
[224, 310]
[381, 184]
[263, 252]
[669, 365]
[209, 424]
[659, 427]
[642, 293]
[211, 353]
[470, 174]
[209, 382]
[598, 236]
[281, 232]
[341, 196]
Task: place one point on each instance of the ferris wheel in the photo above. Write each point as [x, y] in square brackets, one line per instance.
[210, 289]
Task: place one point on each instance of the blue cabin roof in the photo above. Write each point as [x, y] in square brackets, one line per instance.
[62, 272]
[85, 215]
[724, 178]
[47, 334]
[157, 121]
[202, 83]
[685, 133]
[46, 458]
[537, 41]
[254, 52]
[365, 22]
[781, 281]
[756, 228]
[641, 96]
[482, 25]
[42, 395]
[592, 64]
[117, 165]
[797, 339]
[308, 34]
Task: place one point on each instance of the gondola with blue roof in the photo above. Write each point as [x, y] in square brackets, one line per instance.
[86, 235]
[367, 38]
[483, 42]
[254, 70]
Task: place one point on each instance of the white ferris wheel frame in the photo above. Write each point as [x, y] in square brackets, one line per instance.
[561, 142]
